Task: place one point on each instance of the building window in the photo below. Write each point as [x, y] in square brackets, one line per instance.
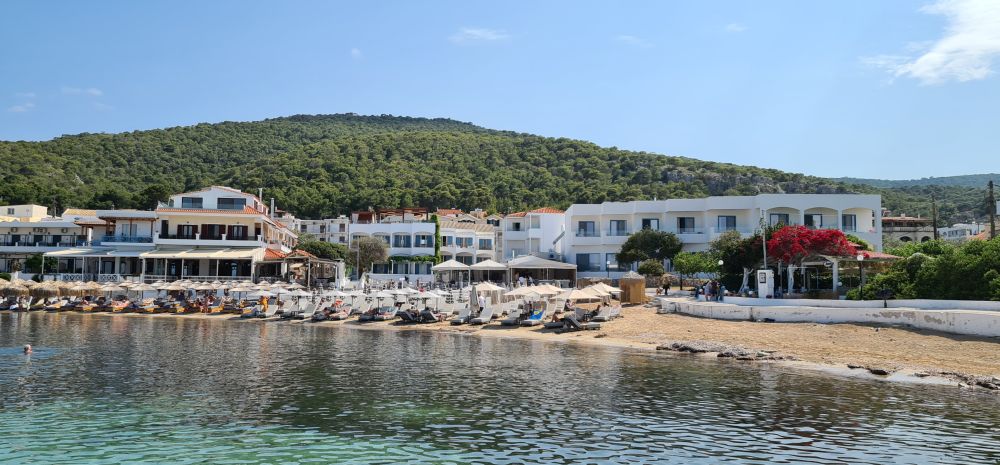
[237, 233]
[322, 228]
[618, 228]
[813, 220]
[212, 231]
[486, 244]
[383, 237]
[10, 211]
[849, 222]
[586, 229]
[401, 240]
[191, 202]
[685, 225]
[779, 218]
[448, 240]
[727, 223]
[424, 240]
[588, 262]
[651, 223]
[227, 203]
[186, 231]
[536, 222]
[611, 261]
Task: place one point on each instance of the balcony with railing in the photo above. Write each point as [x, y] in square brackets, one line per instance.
[217, 240]
[50, 241]
[124, 239]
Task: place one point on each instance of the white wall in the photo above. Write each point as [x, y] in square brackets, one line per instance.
[968, 322]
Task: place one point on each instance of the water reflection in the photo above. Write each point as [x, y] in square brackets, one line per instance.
[129, 389]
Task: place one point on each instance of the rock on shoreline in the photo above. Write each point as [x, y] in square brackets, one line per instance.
[724, 351]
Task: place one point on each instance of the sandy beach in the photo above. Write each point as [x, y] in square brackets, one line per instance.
[853, 349]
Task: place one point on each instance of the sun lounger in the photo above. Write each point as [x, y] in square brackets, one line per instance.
[386, 314]
[604, 314]
[56, 305]
[536, 317]
[485, 316]
[307, 312]
[407, 317]
[463, 316]
[428, 316]
[513, 318]
[570, 323]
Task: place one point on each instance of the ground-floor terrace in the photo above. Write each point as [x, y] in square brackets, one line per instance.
[161, 264]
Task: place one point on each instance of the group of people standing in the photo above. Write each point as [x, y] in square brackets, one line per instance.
[714, 291]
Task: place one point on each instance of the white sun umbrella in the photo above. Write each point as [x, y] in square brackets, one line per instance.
[597, 291]
[142, 288]
[384, 295]
[112, 288]
[294, 286]
[174, 287]
[578, 295]
[487, 287]
[261, 294]
[300, 293]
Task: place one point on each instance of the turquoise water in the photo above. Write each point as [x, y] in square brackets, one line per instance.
[112, 389]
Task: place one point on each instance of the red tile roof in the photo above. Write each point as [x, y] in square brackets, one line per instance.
[301, 253]
[272, 254]
[449, 211]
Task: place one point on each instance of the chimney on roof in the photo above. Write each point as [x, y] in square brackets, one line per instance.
[271, 212]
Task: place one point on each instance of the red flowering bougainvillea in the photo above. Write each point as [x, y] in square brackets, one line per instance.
[792, 244]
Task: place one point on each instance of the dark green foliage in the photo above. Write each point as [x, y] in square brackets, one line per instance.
[5, 276]
[862, 244]
[939, 270]
[34, 264]
[651, 267]
[319, 166]
[648, 244]
[323, 249]
[969, 180]
[437, 238]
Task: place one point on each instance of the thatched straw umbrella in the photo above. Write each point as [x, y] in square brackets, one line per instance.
[13, 289]
[43, 290]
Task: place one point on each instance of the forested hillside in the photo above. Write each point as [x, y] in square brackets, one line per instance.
[323, 165]
[969, 180]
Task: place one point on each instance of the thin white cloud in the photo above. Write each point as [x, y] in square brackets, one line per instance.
[21, 108]
[92, 91]
[735, 28]
[634, 41]
[356, 53]
[966, 52]
[25, 95]
[472, 34]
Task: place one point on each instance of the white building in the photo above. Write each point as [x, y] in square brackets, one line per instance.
[409, 234]
[961, 231]
[468, 243]
[217, 233]
[333, 230]
[537, 232]
[25, 213]
[596, 232]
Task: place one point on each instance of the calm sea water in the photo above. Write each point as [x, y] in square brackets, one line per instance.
[102, 389]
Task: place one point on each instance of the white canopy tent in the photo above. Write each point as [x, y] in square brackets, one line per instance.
[453, 267]
[540, 268]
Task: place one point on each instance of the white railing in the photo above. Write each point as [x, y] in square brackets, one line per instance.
[149, 278]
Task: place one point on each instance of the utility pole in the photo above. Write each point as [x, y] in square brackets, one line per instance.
[993, 212]
[934, 217]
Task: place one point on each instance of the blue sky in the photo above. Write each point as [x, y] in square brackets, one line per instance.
[848, 88]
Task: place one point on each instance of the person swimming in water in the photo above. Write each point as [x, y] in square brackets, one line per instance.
[27, 349]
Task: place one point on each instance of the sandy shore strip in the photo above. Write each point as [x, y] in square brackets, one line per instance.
[881, 352]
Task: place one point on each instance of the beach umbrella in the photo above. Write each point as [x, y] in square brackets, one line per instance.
[488, 287]
[577, 295]
[300, 293]
[596, 291]
[295, 286]
[261, 294]
[48, 289]
[11, 289]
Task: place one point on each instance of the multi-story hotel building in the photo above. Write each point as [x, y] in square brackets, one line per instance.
[596, 232]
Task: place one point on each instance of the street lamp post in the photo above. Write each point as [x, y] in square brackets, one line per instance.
[861, 277]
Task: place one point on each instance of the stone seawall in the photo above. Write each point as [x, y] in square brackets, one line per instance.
[968, 322]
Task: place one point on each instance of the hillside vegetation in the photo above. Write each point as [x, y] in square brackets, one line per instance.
[968, 180]
[317, 166]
